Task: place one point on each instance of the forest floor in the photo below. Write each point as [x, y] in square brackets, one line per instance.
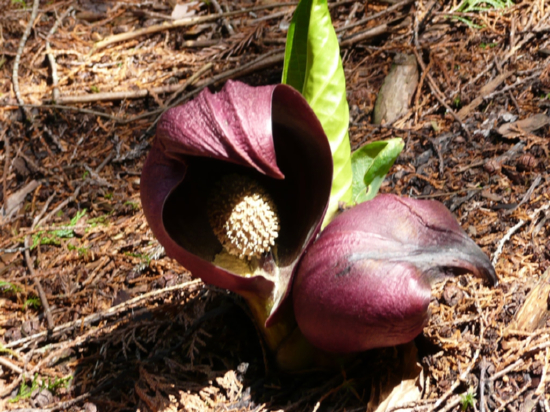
[129, 329]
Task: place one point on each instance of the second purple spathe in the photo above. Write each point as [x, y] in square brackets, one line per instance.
[366, 282]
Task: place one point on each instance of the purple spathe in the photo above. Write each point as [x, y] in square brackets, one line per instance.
[366, 282]
[269, 133]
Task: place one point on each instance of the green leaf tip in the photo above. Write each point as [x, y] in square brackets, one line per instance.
[313, 67]
[370, 164]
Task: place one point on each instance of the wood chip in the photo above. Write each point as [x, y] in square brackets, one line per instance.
[529, 125]
[534, 312]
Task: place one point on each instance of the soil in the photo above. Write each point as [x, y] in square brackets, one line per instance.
[130, 329]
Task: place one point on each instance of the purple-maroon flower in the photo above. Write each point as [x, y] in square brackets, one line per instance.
[365, 283]
[268, 135]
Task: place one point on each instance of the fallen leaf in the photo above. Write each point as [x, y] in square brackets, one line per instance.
[16, 199]
[182, 10]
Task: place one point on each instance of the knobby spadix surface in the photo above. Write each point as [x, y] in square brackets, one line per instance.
[366, 282]
[268, 134]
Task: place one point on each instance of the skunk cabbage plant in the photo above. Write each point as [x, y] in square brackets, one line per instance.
[238, 184]
[365, 283]
[235, 188]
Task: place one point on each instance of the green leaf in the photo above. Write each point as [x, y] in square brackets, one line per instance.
[313, 67]
[370, 165]
[79, 215]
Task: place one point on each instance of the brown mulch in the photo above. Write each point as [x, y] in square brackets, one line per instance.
[129, 329]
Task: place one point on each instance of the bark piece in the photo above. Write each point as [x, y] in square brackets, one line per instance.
[527, 125]
[397, 90]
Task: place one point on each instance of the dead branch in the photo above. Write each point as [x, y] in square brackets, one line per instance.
[129, 94]
[5, 362]
[433, 85]
[505, 239]
[269, 59]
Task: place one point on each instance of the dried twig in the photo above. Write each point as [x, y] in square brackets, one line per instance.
[364, 35]
[196, 20]
[544, 377]
[75, 194]
[115, 310]
[41, 293]
[192, 79]
[6, 169]
[505, 239]
[76, 109]
[374, 16]
[183, 23]
[127, 94]
[15, 73]
[59, 207]
[450, 405]
[527, 195]
[225, 22]
[51, 58]
[483, 93]
[435, 89]
[462, 376]
[522, 82]
[506, 370]
[515, 397]
[514, 229]
[266, 60]
[5, 362]
[482, 382]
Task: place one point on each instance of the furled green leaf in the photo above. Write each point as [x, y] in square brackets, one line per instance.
[370, 164]
[313, 67]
